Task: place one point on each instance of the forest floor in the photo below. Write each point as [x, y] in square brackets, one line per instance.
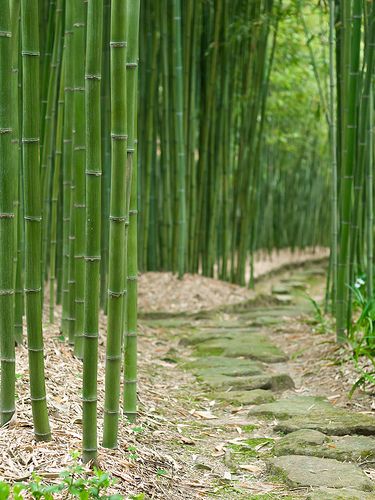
[244, 398]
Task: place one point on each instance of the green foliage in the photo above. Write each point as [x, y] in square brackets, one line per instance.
[362, 333]
[322, 323]
[74, 483]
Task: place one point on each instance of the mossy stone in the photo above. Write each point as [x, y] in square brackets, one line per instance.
[335, 423]
[274, 382]
[314, 443]
[291, 407]
[301, 471]
[254, 397]
[341, 494]
[252, 346]
[307, 412]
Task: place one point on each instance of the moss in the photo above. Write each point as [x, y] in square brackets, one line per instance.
[249, 427]
[248, 448]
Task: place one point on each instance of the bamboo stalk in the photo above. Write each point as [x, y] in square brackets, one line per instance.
[8, 175]
[93, 209]
[33, 215]
[117, 220]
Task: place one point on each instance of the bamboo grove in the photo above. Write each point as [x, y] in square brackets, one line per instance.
[212, 185]
[352, 40]
[68, 92]
[183, 136]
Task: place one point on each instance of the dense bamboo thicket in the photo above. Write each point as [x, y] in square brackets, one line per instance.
[217, 170]
[184, 136]
[352, 39]
[68, 92]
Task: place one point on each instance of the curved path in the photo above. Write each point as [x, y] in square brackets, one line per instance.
[256, 434]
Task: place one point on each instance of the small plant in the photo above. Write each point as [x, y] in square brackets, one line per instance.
[322, 323]
[362, 333]
[75, 483]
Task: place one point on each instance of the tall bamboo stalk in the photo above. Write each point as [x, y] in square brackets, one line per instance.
[347, 173]
[130, 378]
[79, 154]
[33, 214]
[92, 254]
[8, 176]
[117, 220]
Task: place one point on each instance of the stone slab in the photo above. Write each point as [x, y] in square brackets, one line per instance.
[301, 471]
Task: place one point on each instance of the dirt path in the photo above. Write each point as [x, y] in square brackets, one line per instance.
[254, 405]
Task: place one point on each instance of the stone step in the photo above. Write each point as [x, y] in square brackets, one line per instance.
[306, 412]
[314, 443]
[301, 471]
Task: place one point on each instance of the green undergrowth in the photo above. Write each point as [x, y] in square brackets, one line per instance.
[74, 482]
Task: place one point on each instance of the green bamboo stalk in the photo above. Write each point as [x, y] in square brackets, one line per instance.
[333, 146]
[8, 174]
[347, 175]
[33, 214]
[130, 378]
[67, 162]
[16, 160]
[93, 209]
[180, 134]
[369, 197]
[55, 199]
[117, 220]
[79, 155]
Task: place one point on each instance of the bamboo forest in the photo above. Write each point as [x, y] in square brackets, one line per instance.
[187, 305]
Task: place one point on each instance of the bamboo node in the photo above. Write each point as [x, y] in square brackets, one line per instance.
[92, 257]
[35, 349]
[8, 360]
[119, 137]
[132, 278]
[118, 45]
[79, 25]
[117, 219]
[132, 65]
[130, 381]
[90, 335]
[111, 293]
[42, 398]
[93, 77]
[5, 131]
[90, 400]
[6, 34]
[111, 412]
[6, 292]
[32, 290]
[96, 173]
[131, 334]
[7, 216]
[133, 212]
[113, 358]
[30, 139]
[33, 218]
[33, 53]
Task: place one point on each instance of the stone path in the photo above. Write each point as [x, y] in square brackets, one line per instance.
[319, 449]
